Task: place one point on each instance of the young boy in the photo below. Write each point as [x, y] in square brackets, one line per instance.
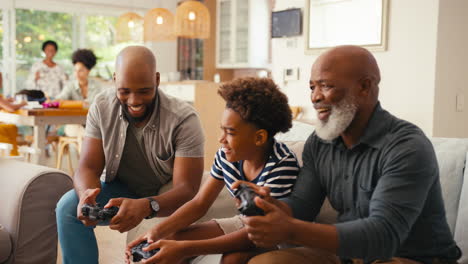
[255, 111]
[9, 105]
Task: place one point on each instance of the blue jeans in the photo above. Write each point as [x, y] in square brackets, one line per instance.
[78, 242]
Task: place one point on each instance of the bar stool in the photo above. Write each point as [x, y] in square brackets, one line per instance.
[63, 148]
[8, 134]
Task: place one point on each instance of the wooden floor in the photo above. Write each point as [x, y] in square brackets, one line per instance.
[111, 243]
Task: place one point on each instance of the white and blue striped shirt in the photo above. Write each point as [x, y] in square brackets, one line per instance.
[279, 174]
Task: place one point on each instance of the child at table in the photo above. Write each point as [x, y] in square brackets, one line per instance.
[8, 132]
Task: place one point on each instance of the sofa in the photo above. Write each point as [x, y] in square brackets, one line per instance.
[28, 196]
[452, 156]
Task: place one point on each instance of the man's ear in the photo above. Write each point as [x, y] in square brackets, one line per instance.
[366, 86]
[157, 79]
[261, 137]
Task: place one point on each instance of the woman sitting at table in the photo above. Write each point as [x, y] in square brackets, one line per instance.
[81, 88]
[46, 75]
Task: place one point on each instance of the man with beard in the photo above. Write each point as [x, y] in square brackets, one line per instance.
[379, 172]
[143, 139]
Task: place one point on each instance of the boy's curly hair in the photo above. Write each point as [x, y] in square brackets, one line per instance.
[259, 102]
[85, 56]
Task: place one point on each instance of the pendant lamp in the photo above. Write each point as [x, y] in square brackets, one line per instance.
[129, 28]
[159, 25]
[192, 20]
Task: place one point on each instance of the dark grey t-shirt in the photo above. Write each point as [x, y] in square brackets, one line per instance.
[134, 170]
[386, 190]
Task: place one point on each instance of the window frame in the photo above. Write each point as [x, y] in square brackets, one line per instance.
[79, 12]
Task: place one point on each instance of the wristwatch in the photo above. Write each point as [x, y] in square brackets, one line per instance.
[154, 206]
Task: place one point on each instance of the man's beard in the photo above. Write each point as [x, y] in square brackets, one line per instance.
[342, 114]
[132, 119]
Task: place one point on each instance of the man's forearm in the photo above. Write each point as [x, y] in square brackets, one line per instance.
[236, 241]
[174, 198]
[85, 179]
[314, 235]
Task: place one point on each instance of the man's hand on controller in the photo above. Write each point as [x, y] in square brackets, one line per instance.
[274, 227]
[88, 197]
[131, 213]
[271, 229]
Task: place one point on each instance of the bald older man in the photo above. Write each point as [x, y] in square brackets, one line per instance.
[379, 172]
[143, 139]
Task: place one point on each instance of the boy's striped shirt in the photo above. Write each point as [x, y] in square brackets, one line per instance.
[279, 174]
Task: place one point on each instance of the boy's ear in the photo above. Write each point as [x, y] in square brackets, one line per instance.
[261, 137]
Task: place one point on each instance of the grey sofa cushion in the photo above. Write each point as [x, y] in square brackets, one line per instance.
[461, 229]
[5, 244]
[451, 157]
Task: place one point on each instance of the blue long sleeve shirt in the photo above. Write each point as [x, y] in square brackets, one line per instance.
[385, 188]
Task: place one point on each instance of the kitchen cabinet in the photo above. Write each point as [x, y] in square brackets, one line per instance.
[243, 34]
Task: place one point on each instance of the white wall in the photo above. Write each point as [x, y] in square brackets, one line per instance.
[407, 67]
[452, 70]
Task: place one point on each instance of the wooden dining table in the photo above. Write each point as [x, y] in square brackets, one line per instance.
[39, 119]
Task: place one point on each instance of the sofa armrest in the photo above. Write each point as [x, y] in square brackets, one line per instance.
[5, 244]
[29, 197]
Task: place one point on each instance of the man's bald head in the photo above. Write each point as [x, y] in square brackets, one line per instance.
[136, 66]
[350, 61]
[135, 57]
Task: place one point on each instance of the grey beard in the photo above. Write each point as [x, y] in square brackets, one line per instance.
[342, 114]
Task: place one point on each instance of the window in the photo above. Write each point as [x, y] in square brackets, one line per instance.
[1, 37]
[33, 27]
[1, 51]
[100, 37]
[72, 26]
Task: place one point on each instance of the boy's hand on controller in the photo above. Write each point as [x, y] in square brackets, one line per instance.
[264, 192]
[170, 252]
[88, 197]
[134, 243]
[131, 213]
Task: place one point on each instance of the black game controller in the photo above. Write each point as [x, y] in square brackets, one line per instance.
[247, 205]
[138, 253]
[97, 213]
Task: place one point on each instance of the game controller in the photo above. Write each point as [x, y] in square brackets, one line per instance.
[97, 213]
[247, 205]
[138, 253]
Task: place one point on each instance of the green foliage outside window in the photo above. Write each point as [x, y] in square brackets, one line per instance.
[1, 48]
[1, 36]
[101, 38]
[33, 27]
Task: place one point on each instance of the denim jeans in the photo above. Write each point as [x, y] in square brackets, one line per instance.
[77, 241]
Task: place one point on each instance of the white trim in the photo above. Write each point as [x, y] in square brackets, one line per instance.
[9, 51]
[77, 7]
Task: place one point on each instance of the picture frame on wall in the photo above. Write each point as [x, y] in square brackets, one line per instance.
[332, 23]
